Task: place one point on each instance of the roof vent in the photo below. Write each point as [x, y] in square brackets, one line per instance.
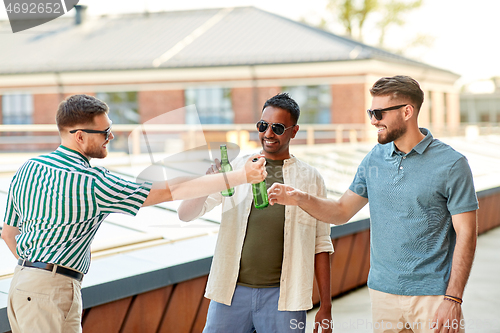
[80, 14]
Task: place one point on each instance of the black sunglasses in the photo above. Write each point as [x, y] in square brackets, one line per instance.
[377, 113]
[277, 128]
[106, 132]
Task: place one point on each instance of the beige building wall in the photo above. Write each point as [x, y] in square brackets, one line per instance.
[424, 114]
[162, 90]
[437, 117]
[453, 110]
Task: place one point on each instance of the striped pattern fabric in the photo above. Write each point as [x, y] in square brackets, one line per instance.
[58, 201]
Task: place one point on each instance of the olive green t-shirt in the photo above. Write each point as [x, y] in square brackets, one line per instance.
[262, 254]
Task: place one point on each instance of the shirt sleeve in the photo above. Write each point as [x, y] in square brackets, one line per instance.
[11, 216]
[359, 185]
[116, 195]
[323, 230]
[460, 189]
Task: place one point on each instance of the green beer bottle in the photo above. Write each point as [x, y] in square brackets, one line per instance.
[225, 166]
[259, 190]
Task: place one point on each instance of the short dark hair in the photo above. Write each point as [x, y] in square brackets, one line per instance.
[399, 87]
[78, 110]
[285, 102]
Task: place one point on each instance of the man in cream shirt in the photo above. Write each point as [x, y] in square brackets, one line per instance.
[264, 264]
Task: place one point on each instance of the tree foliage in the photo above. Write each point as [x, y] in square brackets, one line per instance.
[353, 14]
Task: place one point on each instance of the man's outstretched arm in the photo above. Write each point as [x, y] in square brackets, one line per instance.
[188, 187]
[325, 210]
[189, 209]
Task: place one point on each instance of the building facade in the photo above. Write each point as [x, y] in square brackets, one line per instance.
[481, 107]
[227, 62]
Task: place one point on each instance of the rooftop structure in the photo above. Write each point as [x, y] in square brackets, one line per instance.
[180, 39]
[226, 61]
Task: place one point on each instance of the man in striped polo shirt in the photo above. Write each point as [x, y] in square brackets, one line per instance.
[57, 202]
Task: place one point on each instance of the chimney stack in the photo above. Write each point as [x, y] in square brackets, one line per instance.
[80, 14]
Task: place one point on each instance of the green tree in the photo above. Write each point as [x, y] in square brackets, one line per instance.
[354, 13]
[393, 11]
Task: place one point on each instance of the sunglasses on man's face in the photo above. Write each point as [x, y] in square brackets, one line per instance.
[378, 113]
[277, 128]
[106, 132]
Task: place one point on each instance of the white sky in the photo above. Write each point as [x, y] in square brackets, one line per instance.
[465, 32]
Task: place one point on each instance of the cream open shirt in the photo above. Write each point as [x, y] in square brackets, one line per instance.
[304, 237]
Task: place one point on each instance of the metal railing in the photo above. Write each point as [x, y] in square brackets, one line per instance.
[131, 138]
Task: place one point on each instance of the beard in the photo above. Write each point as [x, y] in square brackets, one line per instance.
[393, 134]
[96, 152]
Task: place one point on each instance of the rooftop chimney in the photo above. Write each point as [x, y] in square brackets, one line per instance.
[80, 14]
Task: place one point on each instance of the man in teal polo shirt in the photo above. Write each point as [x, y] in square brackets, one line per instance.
[57, 202]
[422, 211]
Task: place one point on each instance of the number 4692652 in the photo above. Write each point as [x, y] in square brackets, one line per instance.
[34, 8]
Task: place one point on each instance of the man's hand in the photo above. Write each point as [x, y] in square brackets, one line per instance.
[255, 172]
[323, 320]
[9, 234]
[214, 168]
[447, 318]
[284, 195]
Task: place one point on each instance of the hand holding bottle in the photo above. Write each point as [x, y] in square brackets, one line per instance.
[214, 168]
[259, 191]
[255, 171]
[225, 166]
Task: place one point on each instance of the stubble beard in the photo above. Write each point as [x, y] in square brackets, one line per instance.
[393, 135]
[96, 152]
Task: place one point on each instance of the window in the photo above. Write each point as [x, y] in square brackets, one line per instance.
[123, 106]
[17, 108]
[213, 105]
[314, 103]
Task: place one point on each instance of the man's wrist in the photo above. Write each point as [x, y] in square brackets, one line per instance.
[454, 299]
[236, 177]
[302, 200]
[325, 305]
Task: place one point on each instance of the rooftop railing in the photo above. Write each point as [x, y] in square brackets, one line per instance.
[130, 138]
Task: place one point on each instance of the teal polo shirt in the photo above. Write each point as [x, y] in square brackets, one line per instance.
[412, 199]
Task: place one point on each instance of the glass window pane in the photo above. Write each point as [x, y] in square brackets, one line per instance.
[213, 105]
[17, 108]
[123, 106]
[314, 103]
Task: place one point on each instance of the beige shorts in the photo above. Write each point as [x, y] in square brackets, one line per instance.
[404, 314]
[41, 301]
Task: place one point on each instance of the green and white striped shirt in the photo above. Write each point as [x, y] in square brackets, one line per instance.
[58, 201]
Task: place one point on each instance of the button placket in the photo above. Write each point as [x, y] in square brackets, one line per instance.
[400, 165]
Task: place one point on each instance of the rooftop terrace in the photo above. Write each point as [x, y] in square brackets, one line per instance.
[155, 249]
